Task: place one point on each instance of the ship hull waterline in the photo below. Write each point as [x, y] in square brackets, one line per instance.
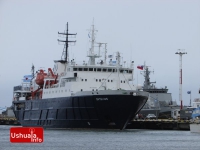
[92, 111]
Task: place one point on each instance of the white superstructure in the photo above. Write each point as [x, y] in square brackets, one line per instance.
[72, 77]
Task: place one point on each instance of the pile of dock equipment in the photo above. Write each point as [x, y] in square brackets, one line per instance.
[7, 117]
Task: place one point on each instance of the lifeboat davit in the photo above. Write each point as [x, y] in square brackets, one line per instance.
[40, 78]
[42, 75]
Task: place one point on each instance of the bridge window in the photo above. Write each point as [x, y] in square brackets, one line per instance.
[90, 69]
[85, 69]
[98, 69]
[80, 69]
[109, 70]
[104, 69]
[74, 69]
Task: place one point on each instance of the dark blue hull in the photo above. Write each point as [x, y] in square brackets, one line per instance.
[93, 111]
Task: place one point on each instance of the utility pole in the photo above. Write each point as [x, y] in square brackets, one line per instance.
[180, 53]
[190, 98]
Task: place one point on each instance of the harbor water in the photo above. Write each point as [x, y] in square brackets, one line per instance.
[101, 139]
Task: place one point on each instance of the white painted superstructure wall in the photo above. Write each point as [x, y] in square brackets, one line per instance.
[88, 78]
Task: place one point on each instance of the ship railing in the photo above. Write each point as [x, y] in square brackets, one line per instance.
[141, 93]
[16, 98]
[25, 88]
[18, 88]
[51, 86]
[54, 86]
[108, 64]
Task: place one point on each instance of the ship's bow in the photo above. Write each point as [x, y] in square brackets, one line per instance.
[117, 110]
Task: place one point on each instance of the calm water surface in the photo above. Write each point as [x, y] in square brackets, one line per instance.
[99, 139]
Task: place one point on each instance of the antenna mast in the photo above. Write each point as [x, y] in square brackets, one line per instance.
[91, 54]
[105, 53]
[118, 65]
[66, 42]
[33, 71]
[180, 53]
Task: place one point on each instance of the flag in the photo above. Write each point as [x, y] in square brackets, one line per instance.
[140, 67]
[27, 78]
[109, 56]
[189, 92]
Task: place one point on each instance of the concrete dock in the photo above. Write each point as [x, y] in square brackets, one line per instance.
[8, 121]
[159, 124]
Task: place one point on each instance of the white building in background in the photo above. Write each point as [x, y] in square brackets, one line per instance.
[8, 112]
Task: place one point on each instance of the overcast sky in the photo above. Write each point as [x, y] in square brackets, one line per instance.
[148, 31]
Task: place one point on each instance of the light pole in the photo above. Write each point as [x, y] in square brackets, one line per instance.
[180, 53]
[189, 92]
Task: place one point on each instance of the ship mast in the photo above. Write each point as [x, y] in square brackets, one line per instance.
[105, 53]
[118, 65]
[33, 71]
[91, 54]
[66, 59]
[147, 83]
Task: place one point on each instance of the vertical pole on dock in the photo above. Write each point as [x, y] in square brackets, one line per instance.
[190, 98]
[180, 53]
